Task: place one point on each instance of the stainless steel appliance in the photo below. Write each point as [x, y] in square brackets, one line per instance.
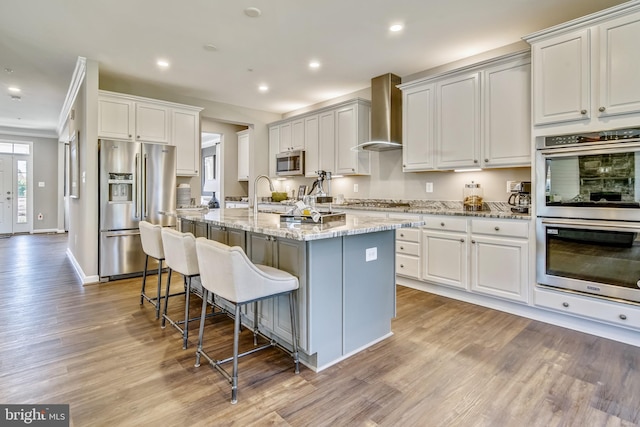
[290, 163]
[520, 197]
[588, 213]
[137, 181]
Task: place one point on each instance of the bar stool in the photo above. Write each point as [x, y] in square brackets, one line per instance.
[228, 272]
[150, 235]
[180, 254]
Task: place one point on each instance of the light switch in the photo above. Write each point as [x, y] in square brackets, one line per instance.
[371, 254]
[40, 183]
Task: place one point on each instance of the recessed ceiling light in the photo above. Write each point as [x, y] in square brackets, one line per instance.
[263, 88]
[14, 89]
[15, 98]
[162, 63]
[252, 12]
[210, 47]
[396, 27]
[8, 70]
[314, 64]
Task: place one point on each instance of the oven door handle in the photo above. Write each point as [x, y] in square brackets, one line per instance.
[592, 224]
[622, 146]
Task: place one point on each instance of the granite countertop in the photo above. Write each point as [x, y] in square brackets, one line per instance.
[429, 207]
[269, 224]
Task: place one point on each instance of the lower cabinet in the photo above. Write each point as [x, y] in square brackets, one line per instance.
[500, 258]
[444, 251]
[408, 252]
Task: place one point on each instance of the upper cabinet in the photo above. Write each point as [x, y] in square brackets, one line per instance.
[477, 117]
[139, 119]
[327, 136]
[586, 72]
[243, 155]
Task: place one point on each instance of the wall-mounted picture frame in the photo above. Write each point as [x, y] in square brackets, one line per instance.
[74, 165]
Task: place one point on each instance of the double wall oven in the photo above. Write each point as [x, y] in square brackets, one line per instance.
[588, 213]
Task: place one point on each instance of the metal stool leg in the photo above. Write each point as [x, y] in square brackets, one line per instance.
[236, 338]
[144, 279]
[294, 333]
[185, 328]
[159, 289]
[255, 323]
[166, 300]
[203, 315]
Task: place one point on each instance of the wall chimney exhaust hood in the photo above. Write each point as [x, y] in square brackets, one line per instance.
[386, 115]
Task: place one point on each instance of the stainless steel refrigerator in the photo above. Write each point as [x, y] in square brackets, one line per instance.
[137, 181]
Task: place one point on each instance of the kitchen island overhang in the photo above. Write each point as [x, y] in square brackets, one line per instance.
[346, 299]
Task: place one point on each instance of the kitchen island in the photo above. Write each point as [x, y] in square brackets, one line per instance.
[346, 298]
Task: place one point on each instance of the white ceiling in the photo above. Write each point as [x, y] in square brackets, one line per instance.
[40, 41]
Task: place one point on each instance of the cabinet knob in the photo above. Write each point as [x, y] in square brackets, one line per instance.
[473, 241]
[461, 240]
[401, 265]
[475, 161]
[623, 316]
[565, 304]
[404, 166]
[583, 112]
[129, 135]
[401, 247]
[486, 160]
[601, 109]
[442, 224]
[497, 228]
[401, 234]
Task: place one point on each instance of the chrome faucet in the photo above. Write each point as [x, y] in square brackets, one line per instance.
[255, 193]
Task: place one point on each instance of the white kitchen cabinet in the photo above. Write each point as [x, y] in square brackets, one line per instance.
[500, 258]
[445, 251]
[297, 134]
[311, 146]
[587, 72]
[458, 121]
[507, 114]
[274, 148]
[116, 117]
[326, 143]
[408, 252]
[243, 155]
[152, 122]
[417, 128]
[352, 128]
[185, 135]
[290, 135]
[285, 137]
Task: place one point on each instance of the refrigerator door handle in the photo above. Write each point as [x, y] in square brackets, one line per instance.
[136, 186]
[122, 234]
[145, 209]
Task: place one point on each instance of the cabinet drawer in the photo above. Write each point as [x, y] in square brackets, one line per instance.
[610, 312]
[408, 234]
[445, 223]
[500, 228]
[407, 265]
[408, 248]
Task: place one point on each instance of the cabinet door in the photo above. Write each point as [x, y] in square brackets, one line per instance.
[507, 115]
[351, 123]
[152, 123]
[236, 238]
[297, 134]
[326, 145]
[417, 128]
[290, 258]
[274, 148]
[499, 267]
[458, 122]
[116, 118]
[619, 66]
[186, 137]
[243, 155]
[561, 78]
[285, 137]
[311, 146]
[444, 258]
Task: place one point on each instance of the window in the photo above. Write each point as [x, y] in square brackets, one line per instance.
[23, 188]
[14, 148]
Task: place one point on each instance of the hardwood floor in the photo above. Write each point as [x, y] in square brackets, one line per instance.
[448, 363]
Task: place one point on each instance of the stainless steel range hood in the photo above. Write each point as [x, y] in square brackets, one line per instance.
[386, 114]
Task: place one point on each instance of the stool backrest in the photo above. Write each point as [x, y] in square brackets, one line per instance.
[151, 237]
[228, 272]
[180, 251]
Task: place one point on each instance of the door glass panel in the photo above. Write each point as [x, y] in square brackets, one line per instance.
[22, 184]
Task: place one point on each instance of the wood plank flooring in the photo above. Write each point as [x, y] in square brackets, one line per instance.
[448, 363]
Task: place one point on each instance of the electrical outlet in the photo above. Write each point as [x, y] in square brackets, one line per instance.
[510, 185]
[371, 254]
[429, 187]
[355, 188]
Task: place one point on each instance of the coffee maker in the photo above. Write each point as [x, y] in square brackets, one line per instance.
[520, 198]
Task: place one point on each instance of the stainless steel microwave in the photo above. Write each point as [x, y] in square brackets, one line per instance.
[290, 163]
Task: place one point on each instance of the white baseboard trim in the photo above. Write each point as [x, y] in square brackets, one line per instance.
[76, 266]
[45, 230]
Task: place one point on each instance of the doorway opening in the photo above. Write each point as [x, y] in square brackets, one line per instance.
[211, 175]
[16, 187]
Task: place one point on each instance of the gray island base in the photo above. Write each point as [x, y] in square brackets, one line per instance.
[346, 298]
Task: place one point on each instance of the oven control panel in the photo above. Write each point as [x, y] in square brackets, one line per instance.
[603, 136]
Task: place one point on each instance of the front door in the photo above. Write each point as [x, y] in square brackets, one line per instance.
[6, 194]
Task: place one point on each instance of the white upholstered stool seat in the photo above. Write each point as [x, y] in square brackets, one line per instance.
[180, 256]
[227, 272]
[151, 238]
